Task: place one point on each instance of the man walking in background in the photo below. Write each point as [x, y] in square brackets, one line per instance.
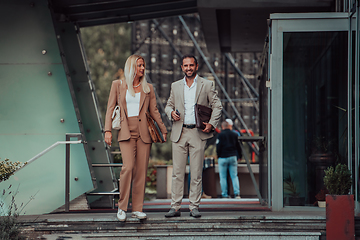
[228, 150]
[187, 140]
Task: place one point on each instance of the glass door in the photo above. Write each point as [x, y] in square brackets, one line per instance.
[309, 102]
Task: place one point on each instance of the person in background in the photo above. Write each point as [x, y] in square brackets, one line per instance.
[135, 97]
[231, 123]
[187, 140]
[228, 149]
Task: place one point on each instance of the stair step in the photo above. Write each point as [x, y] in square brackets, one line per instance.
[225, 226]
[195, 235]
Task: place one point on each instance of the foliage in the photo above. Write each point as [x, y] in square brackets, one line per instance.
[151, 173]
[321, 195]
[9, 226]
[162, 151]
[338, 181]
[7, 168]
[107, 48]
[323, 145]
[290, 186]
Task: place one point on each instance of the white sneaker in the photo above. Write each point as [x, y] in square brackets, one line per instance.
[121, 215]
[238, 197]
[139, 215]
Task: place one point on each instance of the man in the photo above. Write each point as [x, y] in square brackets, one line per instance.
[187, 140]
[231, 123]
[228, 149]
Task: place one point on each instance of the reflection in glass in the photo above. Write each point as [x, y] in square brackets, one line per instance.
[314, 103]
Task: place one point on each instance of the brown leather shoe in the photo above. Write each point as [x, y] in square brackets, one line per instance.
[173, 213]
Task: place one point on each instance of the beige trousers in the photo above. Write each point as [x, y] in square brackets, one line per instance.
[189, 144]
[135, 156]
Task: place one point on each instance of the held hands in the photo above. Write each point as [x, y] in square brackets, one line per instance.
[108, 138]
[164, 136]
[208, 127]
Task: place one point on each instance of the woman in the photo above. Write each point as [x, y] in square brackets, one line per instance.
[135, 97]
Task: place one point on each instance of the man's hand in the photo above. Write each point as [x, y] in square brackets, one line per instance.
[208, 127]
[175, 116]
[108, 138]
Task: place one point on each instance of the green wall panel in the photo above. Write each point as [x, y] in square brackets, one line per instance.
[34, 96]
[25, 31]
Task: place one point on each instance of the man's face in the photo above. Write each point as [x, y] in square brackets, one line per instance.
[189, 67]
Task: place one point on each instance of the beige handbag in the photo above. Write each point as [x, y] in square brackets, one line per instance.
[116, 118]
[116, 114]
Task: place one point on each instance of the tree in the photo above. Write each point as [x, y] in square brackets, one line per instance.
[107, 47]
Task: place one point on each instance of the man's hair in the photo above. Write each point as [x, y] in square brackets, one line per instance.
[224, 125]
[189, 56]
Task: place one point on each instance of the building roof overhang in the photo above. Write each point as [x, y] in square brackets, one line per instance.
[228, 25]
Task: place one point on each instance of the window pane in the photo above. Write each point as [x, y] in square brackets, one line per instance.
[315, 102]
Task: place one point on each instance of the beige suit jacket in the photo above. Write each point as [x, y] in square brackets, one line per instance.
[147, 103]
[205, 95]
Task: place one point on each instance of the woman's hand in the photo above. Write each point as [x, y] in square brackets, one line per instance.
[108, 138]
[164, 136]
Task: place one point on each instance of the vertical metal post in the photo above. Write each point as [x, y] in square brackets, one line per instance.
[67, 174]
[350, 96]
[269, 127]
[357, 104]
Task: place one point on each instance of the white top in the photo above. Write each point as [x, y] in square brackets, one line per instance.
[189, 99]
[132, 104]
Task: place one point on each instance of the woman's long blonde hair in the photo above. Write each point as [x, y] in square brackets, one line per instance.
[130, 73]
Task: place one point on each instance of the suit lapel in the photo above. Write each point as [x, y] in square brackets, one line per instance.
[142, 99]
[123, 89]
[199, 86]
[181, 90]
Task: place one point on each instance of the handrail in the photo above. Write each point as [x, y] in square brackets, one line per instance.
[67, 162]
[49, 148]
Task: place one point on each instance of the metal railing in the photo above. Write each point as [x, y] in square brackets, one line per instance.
[67, 162]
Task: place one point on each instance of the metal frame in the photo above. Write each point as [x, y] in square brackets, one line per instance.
[288, 23]
[228, 57]
[67, 162]
[357, 104]
[216, 79]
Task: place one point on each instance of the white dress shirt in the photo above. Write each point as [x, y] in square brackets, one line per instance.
[189, 99]
[132, 104]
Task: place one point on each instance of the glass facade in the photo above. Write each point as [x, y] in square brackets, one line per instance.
[314, 111]
[314, 104]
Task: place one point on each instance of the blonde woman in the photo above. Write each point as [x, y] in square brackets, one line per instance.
[135, 97]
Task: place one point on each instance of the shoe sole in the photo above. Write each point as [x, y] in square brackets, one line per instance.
[173, 216]
[121, 220]
[141, 218]
[195, 216]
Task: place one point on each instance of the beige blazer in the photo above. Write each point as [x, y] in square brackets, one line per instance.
[147, 103]
[205, 95]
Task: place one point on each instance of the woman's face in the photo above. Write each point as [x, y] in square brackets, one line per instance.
[140, 68]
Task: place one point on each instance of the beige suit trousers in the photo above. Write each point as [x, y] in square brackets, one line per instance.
[135, 156]
[189, 144]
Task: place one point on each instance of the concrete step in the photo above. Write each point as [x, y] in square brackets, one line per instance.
[193, 235]
[224, 225]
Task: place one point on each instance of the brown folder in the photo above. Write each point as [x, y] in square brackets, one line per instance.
[154, 130]
[202, 114]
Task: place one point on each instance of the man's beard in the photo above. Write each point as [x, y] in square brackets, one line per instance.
[193, 74]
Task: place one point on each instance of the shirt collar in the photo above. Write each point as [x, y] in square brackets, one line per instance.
[195, 79]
